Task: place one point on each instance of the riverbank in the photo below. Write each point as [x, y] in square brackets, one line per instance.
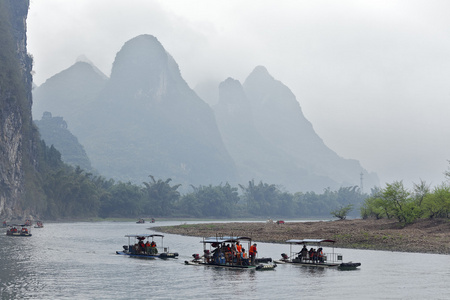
[424, 236]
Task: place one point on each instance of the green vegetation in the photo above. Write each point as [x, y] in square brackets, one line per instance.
[342, 211]
[69, 192]
[397, 202]
[210, 201]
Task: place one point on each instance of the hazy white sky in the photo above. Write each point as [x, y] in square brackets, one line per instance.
[373, 77]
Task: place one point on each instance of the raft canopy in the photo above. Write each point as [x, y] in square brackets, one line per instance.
[225, 239]
[144, 235]
[309, 241]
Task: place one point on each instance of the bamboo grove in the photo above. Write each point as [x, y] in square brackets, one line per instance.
[68, 192]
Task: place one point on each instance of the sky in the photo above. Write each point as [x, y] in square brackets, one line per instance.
[373, 77]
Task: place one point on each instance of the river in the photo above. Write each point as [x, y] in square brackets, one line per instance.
[78, 261]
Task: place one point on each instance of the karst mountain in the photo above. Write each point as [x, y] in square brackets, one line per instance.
[268, 136]
[145, 120]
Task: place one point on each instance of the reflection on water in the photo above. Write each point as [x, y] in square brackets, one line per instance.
[78, 261]
[313, 272]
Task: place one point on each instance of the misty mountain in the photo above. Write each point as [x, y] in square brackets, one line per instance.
[145, 120]
[268, 136]
[54, 131]
[256, 156]
[70, 94]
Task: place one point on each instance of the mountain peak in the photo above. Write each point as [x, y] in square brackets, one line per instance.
[145, 38]
[143, 52]
[230, 82]
[144, 69]
[259, 73]
[82, 59]
[231, 92]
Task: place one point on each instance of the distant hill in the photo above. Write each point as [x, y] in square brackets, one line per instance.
[256, 156]
[54, 132]
[144, 120]
[268, 136]
[70, 94]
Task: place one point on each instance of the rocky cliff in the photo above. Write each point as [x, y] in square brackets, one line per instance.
[18, 136]
[54, 131]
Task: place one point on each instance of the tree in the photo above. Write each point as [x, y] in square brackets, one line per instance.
[261, 199]
[373, 207]
[216, 201]
[190, 205]
[437, 204]
[398, 199]
[342, 211]
[420, 191]
[160, 197]
[395, 201]
[70, 193]
[121, 200]
[286, 205]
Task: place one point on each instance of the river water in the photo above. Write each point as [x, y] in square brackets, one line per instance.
[78, 261]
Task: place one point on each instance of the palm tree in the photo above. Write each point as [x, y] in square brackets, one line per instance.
[161, 196]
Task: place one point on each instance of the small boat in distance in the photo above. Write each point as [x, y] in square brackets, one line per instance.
[229, 252]
[39, 224]
[18, 230]
[315, 257]
[144, 246]
[140, 221]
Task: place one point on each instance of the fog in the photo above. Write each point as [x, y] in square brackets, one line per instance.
[371, 76]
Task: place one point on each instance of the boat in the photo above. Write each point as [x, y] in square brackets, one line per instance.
[39, 224]
[140, 221]
[18, 230]
[349, 266]
[315, 257]
[266, 267]
[144, 246]
[223, 252]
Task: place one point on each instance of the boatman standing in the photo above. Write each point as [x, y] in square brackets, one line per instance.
[252, 251]
[238, 247]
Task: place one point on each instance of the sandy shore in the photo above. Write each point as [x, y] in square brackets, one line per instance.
[424, 236]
